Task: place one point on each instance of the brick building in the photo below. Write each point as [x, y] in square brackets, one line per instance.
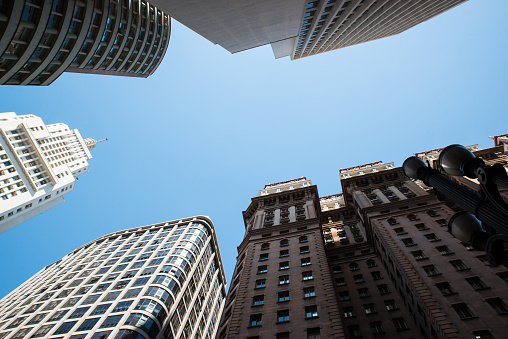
[374, 261]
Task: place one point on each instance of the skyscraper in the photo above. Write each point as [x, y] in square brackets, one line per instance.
[300, 28]
[41, 39]
[39, 164]
[157, 281]
[395, 270]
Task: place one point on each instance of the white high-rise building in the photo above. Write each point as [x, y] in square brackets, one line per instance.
[38, 164]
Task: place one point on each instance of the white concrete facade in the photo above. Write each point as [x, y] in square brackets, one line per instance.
[38, 164]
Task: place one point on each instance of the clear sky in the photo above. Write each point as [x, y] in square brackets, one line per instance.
[209, 129]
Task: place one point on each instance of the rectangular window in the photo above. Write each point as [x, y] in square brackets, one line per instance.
[419, 255]
[262, 269]
[263, 256]
[255, 320]
[311, 312]
[284, 279]
[354, 331]
[358, 279]
[444, 250]
[284, 265]
[463, 311]
[430, 270]
[377, 327]
[498, 305]
[400, 324]
[369, 308]
[340, 282]
[348, 312]
[101, 309]
[343, 296]
[305, 261]
[459, 265]
[282, 316]
[283, 296]
[377, 275]
[304, 249]
[284, 253]
[111, 321]
[309, 292]
[431, 237]
[258, 300]
[307, 276]
[383, 289]
[408, 242]
[445, 288]
[314, 333]
[364, 292]
[390, 305]
[476, 283]
[260, 283]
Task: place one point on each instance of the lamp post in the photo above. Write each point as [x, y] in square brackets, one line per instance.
[487, 206]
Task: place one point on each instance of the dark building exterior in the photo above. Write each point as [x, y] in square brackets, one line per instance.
[395, 270]
[300, 28]
[41, 39]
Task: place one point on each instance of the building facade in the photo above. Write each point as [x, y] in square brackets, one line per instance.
[385, 258]
[39, 164]
[41, 39]
[300, 28]
[157, 281]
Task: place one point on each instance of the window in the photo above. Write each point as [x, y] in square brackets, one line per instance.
[284, 253]
[377, 327]
[255, 320]
[88, 324]
[111, 321]
[265, 246]
[284, 242]
[304, 249]
[338, 269]
[364, 292]
[371, 263]
[431, 237]
[444, 250]
[283, 335]
[483, 334]
[78, 313]
[307, 276]
[122, 306]
[343, 296]
[258, 300]
[348, 312]
[282, 316]
[370, 308]
[309, 292]
[354, 267]
[412, 217]
[91, 299]
[262, 269]
[284, 279]
[498, 305]
[42, 331]
[418, 255]
[263, 256]
[101, 309]
[65, 327]
[311, 312]
[354, 331]
[392, 221]
[476, 283]
[445, 288]
[442, 222]
[358, 279]
[400, 324]
[260, 283]
[503, 275]
[463, 311]
[431, 270]
[399, 230]
[305, 261]
[340, 282]
[303, 239]
[408, 242]
[284, 265]
[421, 227]
[383, 289]
[390, 305]
[459, 265]
[283, 296]
[377, 275]
[111, 296]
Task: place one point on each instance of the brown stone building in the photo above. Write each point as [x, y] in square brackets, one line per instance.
[374, 261]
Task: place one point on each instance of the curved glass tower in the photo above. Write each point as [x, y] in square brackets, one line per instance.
[41, 39]
[158, 281]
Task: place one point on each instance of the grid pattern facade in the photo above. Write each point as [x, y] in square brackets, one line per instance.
[38, 164]
[158, 281]
[333, 24]
[40, 39]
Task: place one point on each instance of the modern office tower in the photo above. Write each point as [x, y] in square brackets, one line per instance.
[39, 164]
[299, 28]
[281, 285]
[158, 281]
[396, 271]
[41, 39]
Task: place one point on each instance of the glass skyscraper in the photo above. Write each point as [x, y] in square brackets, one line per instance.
[158, 281]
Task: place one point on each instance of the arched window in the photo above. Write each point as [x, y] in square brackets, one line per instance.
[371, 263]
[284, 242]
[303, 239]
[412, 217]
[354, 266]
[337, 269]
[265, 246]
[392, 221]
[432, 213]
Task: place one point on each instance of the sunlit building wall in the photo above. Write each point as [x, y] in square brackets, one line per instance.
[41, 39]
[39, 163]
[158, 281]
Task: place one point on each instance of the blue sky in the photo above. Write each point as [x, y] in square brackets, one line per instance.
[209, 129]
